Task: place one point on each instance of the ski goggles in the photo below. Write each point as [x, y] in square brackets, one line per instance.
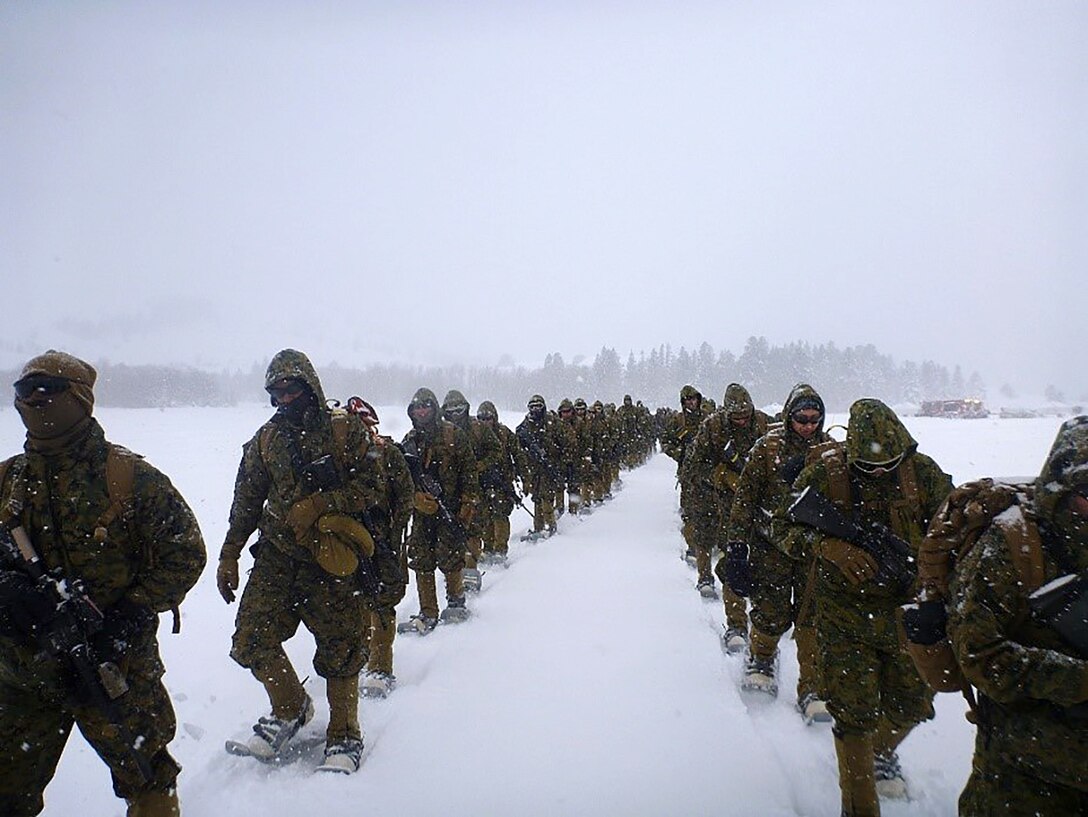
[803, 419]
[878, 468]
[44, 385]
[286, 388]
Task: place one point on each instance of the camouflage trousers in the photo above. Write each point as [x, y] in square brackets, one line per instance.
[495, 512]
[37, 715]
[869, 679]
[433, 545]
[281, 593]
[997, 788]
[780, 596]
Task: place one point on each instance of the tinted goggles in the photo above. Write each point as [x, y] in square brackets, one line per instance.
[803, 419]
[290, 388]
[40, 384]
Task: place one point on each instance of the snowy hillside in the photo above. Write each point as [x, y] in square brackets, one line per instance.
[588, 682]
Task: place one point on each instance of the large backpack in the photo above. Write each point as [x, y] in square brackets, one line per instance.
[959, 522]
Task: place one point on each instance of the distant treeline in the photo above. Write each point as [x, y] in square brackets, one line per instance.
[840, 375]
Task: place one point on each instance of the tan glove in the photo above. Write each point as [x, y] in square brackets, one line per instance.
[724, 478]
[854, 563]
[466, 514]
[226, 578]
[425, 503]
[305, 513]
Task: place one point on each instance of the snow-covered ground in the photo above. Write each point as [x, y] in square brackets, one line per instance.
[588, 682]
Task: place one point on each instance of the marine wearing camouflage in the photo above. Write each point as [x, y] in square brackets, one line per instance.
[497, 490]
[445, 453]
[287, 585]
[1030, 746]
[394, 512]
[712, 481]
[539, 439]
[779, 597]
[488, 453]
[875, 693]
[134, 564]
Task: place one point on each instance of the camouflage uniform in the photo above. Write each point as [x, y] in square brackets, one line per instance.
[395, 511]
[779, 597]
[630, 425]
[586, 468]
[134, 564]
[576, 442]
[539, 439]
[445, 453]
[676, 441]
[875, 694]
[713, 482]
[287, 585]
[1031, 746]
[497, 487]
[488, 452]
[602, 444]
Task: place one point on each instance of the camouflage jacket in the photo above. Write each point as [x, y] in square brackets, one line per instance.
[445, 452]
[270, 476]
[1027, 676]
[765, 481]
[875, 499]
[680, 433]
[543, 453]
[150, 554]
[708, 453]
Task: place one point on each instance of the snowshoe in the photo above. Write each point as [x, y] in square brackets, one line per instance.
[492, 557]
[418, 624]
[734, 640]
[759, 678]
[455, 611]
[271, 735]
[706, 589]
[690, 558]
[890, 783]
[813, 709]
[343, 757]
[472, 578]
[377, 684]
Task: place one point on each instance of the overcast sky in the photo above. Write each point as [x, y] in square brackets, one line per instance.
[207, 183]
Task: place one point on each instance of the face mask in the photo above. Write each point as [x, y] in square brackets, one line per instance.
[52, 416]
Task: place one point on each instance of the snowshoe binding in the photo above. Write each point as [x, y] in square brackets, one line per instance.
[272, 735]
[813, 709]
[377, 684]
[734, 640]
[455, 611]
[343, 757]
[706, 589]
[759, 679]
[890, 783]
[418, 624]
[473, 579]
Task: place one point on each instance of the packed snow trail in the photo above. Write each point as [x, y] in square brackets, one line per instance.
[588, 682]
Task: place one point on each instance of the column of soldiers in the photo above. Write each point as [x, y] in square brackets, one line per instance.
[96, 543]
[742, 484]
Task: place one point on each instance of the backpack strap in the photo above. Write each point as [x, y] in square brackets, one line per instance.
[120, 483]
[1025, 548]
[14, 506]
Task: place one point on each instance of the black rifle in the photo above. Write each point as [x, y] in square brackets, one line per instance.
[65, 637]
[429, 485]
[323, 475]
[533, 449]
[1062, 605]
[893, 555]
